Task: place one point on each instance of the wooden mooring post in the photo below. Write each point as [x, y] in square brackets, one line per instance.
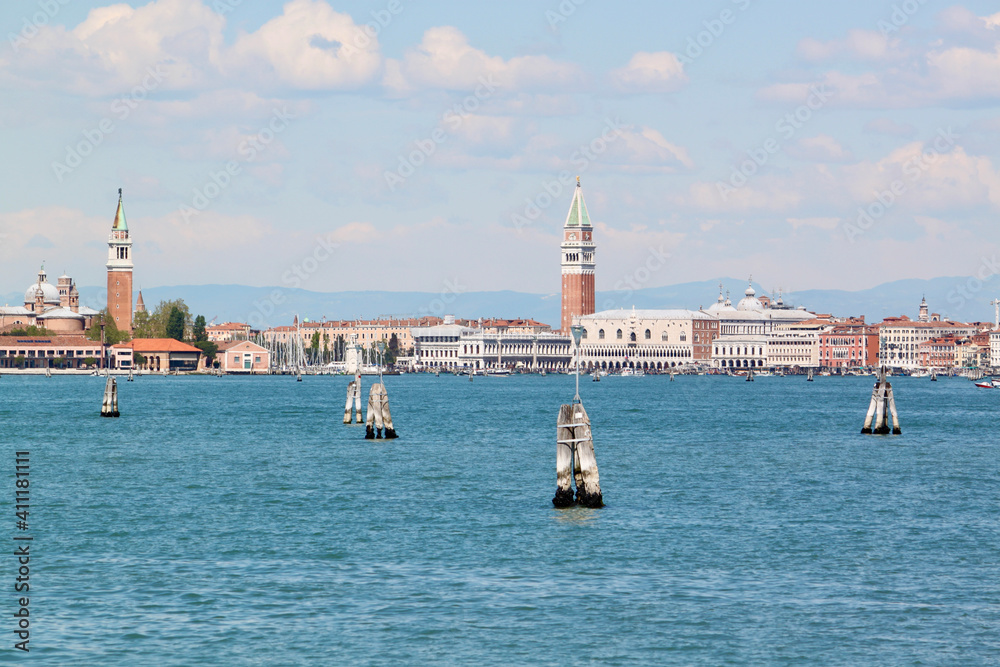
[109, 407]
[882, 405]
[378, 414]
[575, 458]
[353, 396]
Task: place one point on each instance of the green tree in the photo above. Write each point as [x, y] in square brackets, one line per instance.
[314, 343]
[208, 348]
[198, 330]
[175, 324]
[138, 360]
[155, 325]
[19, 361]
[112, 336]
[89, 361]
[59, 361]
[142, 325]
[31, 330]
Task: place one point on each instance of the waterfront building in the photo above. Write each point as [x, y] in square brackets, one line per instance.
[995, 349]
[515, 350]
[849, 344]
[973, 352]
[242, 356]
[648, 339]
[744, 331]
[938, 352]
[227, 332]
[797, 344]
[578, 262]
[47, 306]
[47, 351]
[341, 332]
[120, 271]
[437, 346]
[458, 345]
[160, 354]
[900, 337]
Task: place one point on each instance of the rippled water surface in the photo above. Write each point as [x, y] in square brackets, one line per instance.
[236, 521]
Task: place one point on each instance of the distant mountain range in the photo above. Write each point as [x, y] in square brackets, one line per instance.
[272, 306]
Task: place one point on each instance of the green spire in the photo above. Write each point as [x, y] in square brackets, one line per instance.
[120, 223]
[578, 216]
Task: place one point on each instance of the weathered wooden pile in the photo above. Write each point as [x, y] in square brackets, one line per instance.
[575, 459]
[882, 405]
[378, 414]
[109, 407]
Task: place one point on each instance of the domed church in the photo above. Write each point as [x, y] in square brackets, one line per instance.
[47, 306]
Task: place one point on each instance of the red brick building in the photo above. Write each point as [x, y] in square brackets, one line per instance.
[850, 344]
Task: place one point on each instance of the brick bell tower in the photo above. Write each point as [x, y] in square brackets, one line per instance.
[120, 271]
[577, 262]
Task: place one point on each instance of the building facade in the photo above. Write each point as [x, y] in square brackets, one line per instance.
[653, 340]
[900, 338]
[227, 332]
[578, 262]
[48, 352]
[243, 356]
[120, 271]
[745, 330]
[849, 344]
[164, 354]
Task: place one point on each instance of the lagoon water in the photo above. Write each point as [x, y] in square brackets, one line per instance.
[236, 521]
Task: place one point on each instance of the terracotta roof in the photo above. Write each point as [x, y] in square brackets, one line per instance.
[161, 345]
[229, 345]
[228, 326]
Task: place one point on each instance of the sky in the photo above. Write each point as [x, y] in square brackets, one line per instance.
[433, 146]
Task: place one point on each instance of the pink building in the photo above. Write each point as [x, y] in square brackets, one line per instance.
[228, 331]
[243, 357]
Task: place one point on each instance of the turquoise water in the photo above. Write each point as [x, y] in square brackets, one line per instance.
[236, 521]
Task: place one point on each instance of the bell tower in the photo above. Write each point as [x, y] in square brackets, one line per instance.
[577, 262]
[120, 271]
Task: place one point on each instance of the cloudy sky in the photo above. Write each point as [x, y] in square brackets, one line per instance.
[404, 145]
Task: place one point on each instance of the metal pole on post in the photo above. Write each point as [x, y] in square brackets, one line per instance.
[577, 336]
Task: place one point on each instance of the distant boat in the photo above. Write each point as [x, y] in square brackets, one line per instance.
[629, 372]
[988, 384]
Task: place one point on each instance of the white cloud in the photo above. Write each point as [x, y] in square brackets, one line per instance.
[821, 148]
[444, 60]
[646, 72]
[309, 46]
[818, 223]
[890, 127]
[919, 76]
[868, 45]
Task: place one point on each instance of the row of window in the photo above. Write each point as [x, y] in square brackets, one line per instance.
[647, 335]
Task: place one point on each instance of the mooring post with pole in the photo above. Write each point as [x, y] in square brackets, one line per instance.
[575, 459]
[882, 405]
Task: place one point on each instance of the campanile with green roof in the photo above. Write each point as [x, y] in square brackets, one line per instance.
[120, 271]
[577, 262]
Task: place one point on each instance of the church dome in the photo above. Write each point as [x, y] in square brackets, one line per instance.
[50, 294]
[750, 302]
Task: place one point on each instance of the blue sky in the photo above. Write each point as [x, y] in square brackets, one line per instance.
[874, 126]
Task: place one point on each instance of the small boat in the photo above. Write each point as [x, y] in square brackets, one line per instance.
[498, 372]
[986, 384]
